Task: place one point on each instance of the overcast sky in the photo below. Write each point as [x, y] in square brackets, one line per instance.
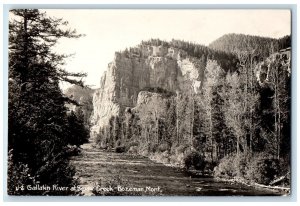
[108, 31]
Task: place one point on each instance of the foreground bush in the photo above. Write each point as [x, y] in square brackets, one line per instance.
[152, 147]
[18, 175]
[120, 149]
[72, 150]
[163, 147]
[226, 168]
[129, 145]
[259, 168]
[194, 159]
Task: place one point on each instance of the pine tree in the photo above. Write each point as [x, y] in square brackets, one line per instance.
[37, 113]
[78, 132]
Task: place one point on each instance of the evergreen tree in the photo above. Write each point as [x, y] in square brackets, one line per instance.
[37, 133]
[78, 132]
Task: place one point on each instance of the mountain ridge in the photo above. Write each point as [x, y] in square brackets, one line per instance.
[259, 45]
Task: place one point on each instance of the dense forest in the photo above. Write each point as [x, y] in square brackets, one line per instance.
[237, 126]
[41, 130]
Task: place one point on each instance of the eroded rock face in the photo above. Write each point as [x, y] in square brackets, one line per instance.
[263, 69]
[151, 105]
[142, 67]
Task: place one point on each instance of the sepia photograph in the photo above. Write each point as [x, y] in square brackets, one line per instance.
[149, 102]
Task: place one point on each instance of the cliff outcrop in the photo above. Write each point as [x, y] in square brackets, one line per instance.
[142, 67]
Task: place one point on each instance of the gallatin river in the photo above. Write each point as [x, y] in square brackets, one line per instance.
[125, 174]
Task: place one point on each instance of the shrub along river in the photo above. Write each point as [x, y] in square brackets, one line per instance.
[110, 173]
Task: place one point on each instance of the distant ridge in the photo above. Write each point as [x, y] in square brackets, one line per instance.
[261, 46]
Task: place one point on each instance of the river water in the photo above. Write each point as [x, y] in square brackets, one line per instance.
[125, 172]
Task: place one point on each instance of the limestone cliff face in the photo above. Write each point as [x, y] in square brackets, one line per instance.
[151, 105]
[142, 67]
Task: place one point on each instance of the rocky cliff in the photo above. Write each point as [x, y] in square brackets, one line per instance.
[263, 68]
[142, 67]
[174, 66]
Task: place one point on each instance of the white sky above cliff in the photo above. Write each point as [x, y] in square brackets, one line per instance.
[108, 31]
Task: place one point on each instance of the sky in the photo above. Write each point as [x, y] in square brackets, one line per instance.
[107, 31]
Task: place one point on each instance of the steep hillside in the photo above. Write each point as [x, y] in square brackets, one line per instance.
[84, 97]
[260, 46]
[79, 94]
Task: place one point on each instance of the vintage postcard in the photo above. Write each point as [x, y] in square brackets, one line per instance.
[149, 102]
